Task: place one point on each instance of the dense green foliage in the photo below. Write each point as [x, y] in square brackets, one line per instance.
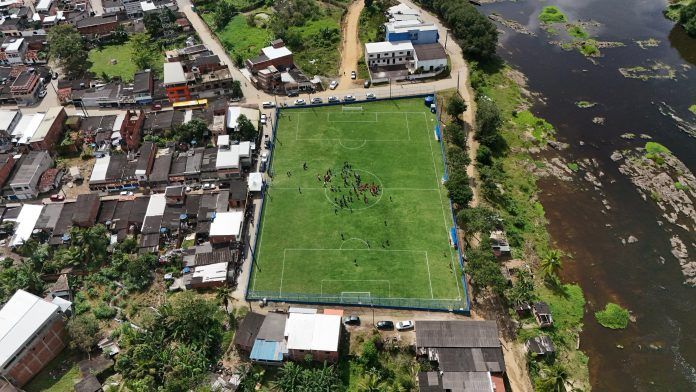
[522, 291]
[84, 332]
[86, 248]
[551, 14]
[245, 129]
[194, 130]
[483, 269]
[144, 52]
[458, 188]
[475, 34]
[293, 377]
[157, 23]
[67, 46]
[176, 350]
[687, 18]
[613, 316]
[223, 13]
[456, 107]
[477, 220]
[22, 275]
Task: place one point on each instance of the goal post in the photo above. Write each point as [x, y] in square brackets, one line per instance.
[352, 108]
[356, 296]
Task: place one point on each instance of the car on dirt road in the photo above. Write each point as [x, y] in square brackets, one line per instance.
[405, 325]
[367, 84]
[267, 105]
[333, 85]
[316, 100]
[333, 99]
[370, 96]
[348, 98]
[300, 102]
[351, 320]
[385, 325]
[353, 75]
[57, 197]
[264, 119]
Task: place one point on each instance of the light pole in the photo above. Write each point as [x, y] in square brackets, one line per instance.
[390, 88]
[446, 37]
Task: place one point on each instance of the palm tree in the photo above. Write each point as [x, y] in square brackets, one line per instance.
[555, 379]
[222, 294]
[371, 383]
[290, 377]
[551, 264]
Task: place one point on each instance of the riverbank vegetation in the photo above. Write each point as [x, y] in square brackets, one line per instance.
[551, 14]
[692, 109]
[613, 316]
[683, 12]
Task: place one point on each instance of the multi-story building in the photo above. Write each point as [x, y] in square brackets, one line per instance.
[133, 9]
[97, 25]
[143, 87]
[32, 333]
[132, 129]
[50, 130]
[25, 88]
[146, 162]
[13, 50]
[315, 334]
[176, 82]
[411, 30]
[25, 181]
[380, 54]
[277, 55]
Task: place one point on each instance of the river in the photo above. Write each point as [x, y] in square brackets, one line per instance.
[657, 352]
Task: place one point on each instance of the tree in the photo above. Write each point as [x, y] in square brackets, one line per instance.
[67, 46]
[554, 379]
[156, 22]
[222, 294]
[144, 52]
[687, 18]
[371, 382]
[551, 264]
[137, 273]
[484, 155]
[84, 332]
[458, 188]
[245, 129]
[455, 134]
[457, 158]
[290, 377]
[488, 121]
[224, 11]
[522, 291]
[369, 355]
[455, 107]
[236, 88]
[477, 220]
[484, 270]
[194, 130]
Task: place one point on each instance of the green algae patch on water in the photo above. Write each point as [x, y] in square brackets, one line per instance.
[585, 104]
[613, 316]
[538, 127]
[657, 70]
[551, 14]
[692, 109]
[576, 31]
[648, 43]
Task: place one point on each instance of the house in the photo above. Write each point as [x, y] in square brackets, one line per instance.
[402, 12]
[50, 130]
[25, 181]
[159, 177]
[25, 128]
[25, 88]
[247, 331]
[109, 95]
[175, 195]
[132, 128]
[156, 122]
[380, 54]
[212, 84]
[13, 50]
[317, 335]
[143, 87]
[7, 163]
[86, 210]
[133, 9]
[542, 314]
[269, 346]
[146, 161]
[26, 221]
[88, 384]
[97, 25]
[540, 346]
[61, 288]
[8, 121]
[255, 182]
[277, 55]
[430, 57]
[467, 354]
[233, 113]
[113, 6]
[207, 276]
[44, 6]
[31, 335]
[226, 227]
[50, 180]
[176, 82]
[238, 193]
[113, 173]
[411, 30]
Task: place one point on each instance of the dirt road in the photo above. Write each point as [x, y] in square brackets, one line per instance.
[351, 48]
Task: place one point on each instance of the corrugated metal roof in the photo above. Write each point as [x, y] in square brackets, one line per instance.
[248, 329]
[457, 333]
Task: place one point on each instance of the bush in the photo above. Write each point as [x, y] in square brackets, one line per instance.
[687, 18]
[458, 188]
[613, 316]
[104, 312]
[551, 14]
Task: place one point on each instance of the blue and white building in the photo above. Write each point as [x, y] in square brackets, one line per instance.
[411, 30]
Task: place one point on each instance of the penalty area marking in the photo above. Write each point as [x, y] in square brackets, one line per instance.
[364, 142]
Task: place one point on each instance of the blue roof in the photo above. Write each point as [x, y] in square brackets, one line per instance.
[266, 350]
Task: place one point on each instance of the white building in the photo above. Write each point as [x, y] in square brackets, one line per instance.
[402, 12]
[226, 227]
[380, 54]
[44, 5]
[315, 334]
[25, 181]
[15, 50]
[26, 221]
[430, 57]
[233, 113]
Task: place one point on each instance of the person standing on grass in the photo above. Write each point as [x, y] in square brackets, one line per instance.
[299, 190]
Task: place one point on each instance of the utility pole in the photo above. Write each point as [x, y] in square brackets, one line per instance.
[390, 88]
[446, 36]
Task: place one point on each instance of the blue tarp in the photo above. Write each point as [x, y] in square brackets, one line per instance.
[453, 234]
[437, 132]
[266, 351]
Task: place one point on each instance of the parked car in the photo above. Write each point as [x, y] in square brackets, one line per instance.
[333, 85]
[209, 185]
[351, 320]
[57, 197]
[188, 189]
[316, 100]
[156, 107]
[300, 102]
[367, 84]
[264, 156]
[404, 325]
[267, 105]
[353, 75]
[348, 98]
[333, 99]
[264, 118]
[55, 75]
[126, 193]
[42, 93]
[370, 96]
[384, 324]
[293, 93]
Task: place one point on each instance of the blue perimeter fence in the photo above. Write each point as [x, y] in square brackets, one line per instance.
[437, 305]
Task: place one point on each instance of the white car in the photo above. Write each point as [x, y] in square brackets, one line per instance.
[353, 75]
[316, 100]
[370, 96]
[404, 325]
[348, 98]
[333, 85]
[300, 102]
[126, 193]
[263, 118]
[264, 156]
[333, 99]
[267, 105]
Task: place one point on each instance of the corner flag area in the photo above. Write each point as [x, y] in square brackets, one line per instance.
[356, 212]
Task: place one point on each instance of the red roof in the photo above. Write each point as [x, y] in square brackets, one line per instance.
[183, 22]
[48, 178]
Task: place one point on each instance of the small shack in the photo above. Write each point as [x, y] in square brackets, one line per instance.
[542, 314]
[540, 346]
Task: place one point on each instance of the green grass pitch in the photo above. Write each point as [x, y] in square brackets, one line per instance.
[391, 241]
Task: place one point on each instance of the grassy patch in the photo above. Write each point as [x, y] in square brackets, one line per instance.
[589, 48]
[573, 166]
[674, 8]
[540, 128]
[551, 14]
[613, 316]
[681, 187]
[320, 55]
[656, 148]
[124, 67]
[576, 31]
[692, 109]
[585, 104]
[239, 38]
[370, 28]
[60, 375]
[390, 244]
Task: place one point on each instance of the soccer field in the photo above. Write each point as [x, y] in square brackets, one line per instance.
[356, 211]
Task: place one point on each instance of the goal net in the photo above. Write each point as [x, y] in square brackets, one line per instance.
[355, 296]
[352, 108]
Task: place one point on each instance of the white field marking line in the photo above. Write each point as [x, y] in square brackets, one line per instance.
[319, 139]
[408, 129]
[340, 141]
[258, 254]
[328, 119]
[297, 128]
[354, 238]
[442, 206]
[430, 280]
[355, 280]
